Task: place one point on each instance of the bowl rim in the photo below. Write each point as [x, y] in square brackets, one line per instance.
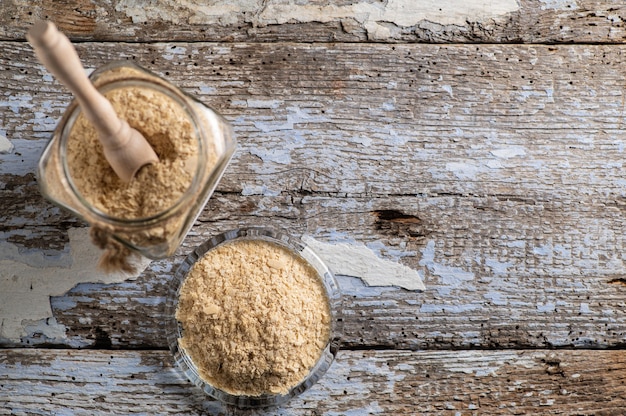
[295, 246]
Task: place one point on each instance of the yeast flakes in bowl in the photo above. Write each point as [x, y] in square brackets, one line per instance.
[256, 317]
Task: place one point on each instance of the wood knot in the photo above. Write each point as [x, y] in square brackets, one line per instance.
[398, 223]
[396, 216]
[618, 281]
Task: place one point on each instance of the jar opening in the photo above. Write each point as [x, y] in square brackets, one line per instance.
[167, 119]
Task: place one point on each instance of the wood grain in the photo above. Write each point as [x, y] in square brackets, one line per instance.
[359, 382]
[581, 21]
[494, 170]
[486, 154]
[131, 315]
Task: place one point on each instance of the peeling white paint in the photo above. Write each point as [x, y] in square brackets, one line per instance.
[509, 152]
[466, 365]
[34, 257]
[25, 289]
[295, 115]
[85, 320]
[516, 244]
[371, 409]
[17, 102]
[280, 156]
[450, 277]
[5, 144]
[529, 92]
[378, 18]
[263, 103]
[354, 286]
[48, 327]
[362, 140]
[559, 5]
[464, 170]
[357, 260]
[24, 157]
[248, 190]
[546, 307]
[280, 153]
[454, 309]
[498, 267]
[174, 52]
[207, 90]
[496, 298]
[545, 250]
[389, 105]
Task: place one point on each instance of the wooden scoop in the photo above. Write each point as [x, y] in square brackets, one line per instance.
[125, 148]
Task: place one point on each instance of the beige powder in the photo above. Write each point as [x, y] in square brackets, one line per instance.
[156, 187]
[255, 317]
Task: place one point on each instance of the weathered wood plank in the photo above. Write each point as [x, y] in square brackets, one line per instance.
[510, 199]
[359, 382]
[530, 313]
[341, 120]
[493, 170]
[479, 116]
[502, 21]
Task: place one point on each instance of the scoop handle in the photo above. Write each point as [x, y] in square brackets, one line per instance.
[57, 53]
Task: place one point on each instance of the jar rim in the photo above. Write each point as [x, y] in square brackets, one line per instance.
[172, 92]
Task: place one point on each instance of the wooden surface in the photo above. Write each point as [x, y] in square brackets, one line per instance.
[360, 382]
[485, 155]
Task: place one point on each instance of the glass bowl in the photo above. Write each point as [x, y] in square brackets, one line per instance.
[176, 331]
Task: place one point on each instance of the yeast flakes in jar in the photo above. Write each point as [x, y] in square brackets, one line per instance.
[152, 213]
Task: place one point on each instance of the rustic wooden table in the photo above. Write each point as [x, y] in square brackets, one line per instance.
[477, 148]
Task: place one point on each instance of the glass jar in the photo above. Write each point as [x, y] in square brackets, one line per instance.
[297, 250]
[159, 233]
